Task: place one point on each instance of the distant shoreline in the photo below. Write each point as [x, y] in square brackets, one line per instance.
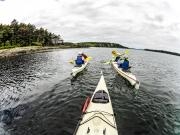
[10, 52]
[162, 51]
[4, 53]
[95, 44]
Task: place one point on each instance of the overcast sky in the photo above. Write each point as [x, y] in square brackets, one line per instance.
[151, 24]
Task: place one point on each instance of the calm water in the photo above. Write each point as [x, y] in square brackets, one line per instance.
[38, 96]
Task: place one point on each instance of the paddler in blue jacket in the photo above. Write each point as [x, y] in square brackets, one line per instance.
[80, 59]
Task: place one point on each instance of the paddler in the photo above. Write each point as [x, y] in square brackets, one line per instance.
[117, 55]
[80, 59]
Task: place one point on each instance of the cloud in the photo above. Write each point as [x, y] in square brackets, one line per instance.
[136, 23]
[158, 18]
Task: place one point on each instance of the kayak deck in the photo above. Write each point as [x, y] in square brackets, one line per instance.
[78, 69]
[98, 118]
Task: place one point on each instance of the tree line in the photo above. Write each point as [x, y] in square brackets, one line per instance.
[21, 34]
[95, 44]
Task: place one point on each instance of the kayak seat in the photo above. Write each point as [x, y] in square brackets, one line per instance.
[127, 70]
[100, 97]
[78, 65]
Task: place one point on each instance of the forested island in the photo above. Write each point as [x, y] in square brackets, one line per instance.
[94, 44]
[20, 38]
[20, 34]
[17, 35]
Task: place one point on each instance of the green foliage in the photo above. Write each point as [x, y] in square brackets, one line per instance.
[7, 46]
[36, 44]
[25, 35]
[101, 44]
[93, 44]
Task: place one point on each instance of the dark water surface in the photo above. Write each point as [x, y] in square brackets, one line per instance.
[38, 96]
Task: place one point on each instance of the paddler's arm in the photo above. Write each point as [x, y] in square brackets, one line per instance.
[120, 54]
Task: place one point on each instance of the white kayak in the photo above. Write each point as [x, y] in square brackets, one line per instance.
[77, 69]
[98, 116]
[127, 75]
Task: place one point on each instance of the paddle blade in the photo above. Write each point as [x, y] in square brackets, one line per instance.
[108, 62]
[89, 58]
[71, 61]
[126, 51]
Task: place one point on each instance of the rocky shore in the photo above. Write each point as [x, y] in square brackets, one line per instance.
[25, 50]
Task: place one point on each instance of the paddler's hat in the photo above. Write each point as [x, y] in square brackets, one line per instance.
[114, 52]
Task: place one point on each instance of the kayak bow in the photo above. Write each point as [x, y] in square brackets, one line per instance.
[98, 116]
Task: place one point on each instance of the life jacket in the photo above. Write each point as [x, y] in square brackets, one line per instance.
[125, 65]
[79, 60]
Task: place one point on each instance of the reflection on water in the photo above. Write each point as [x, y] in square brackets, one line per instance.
[38, 96]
